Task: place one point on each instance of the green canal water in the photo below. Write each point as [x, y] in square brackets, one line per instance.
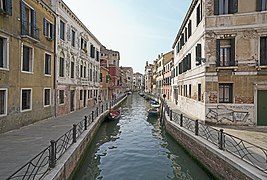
[135, 147]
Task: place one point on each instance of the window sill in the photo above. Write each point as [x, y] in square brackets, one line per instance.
[45, 106]
[27, 72]
[25, 110]
[226, 68]
[47, 75]
[3, 115]
[4, 69]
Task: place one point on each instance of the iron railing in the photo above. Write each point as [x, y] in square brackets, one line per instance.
[246, 151]
[43, 162]
[29, 29]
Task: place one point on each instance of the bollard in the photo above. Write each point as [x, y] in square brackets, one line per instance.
[181, 120]
[92, 116]
[85, 122]
[74, 131]
[52, 154]
[196, 128]
[170, 114]
[221, 139]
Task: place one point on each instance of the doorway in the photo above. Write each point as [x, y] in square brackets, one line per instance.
[262, 108]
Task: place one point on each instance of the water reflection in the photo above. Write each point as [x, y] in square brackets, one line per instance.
[136, 147]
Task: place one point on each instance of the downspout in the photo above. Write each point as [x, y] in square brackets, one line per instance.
[55, 67]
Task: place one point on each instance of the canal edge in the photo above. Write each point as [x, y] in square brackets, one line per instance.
[70, 160]
[221, 164]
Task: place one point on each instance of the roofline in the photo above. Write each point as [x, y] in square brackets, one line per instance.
[188, 14]
[86, 29]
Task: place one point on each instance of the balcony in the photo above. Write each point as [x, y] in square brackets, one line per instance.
[29, 30]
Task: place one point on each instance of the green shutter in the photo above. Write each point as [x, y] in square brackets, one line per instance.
[9, 7]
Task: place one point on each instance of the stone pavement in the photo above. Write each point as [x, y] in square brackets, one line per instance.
[19, 146]
[252, 134]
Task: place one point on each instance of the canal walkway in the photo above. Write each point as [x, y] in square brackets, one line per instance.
[252, 134]
[18, 146]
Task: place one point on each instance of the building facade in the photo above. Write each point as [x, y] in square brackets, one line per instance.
[148, 77]
[26, 63]
[167, 67]
[220, 62]
[138, 82]
[104, 83]
[128, 84]
[77, 61]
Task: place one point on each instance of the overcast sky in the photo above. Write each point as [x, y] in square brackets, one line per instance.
[138, 29]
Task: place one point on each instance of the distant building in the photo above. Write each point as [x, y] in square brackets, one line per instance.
[148, 77]
[128, 84]
[78, 61]
[167, 67]
[26, 63]
[220, 62]
[104, 83]
[138, 82]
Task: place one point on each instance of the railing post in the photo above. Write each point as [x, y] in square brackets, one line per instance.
[181, 120]
[110, 105]
[221, 139]
[170, 114]
[106, 105]
[85, 122]
[74, 131]
[96, 111]
[52, 155]
[92, 116]
[196, 128]
[102, 108]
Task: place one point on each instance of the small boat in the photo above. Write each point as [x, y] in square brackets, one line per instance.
[129, 93]
[114, 114]
[155, 104]
[153, 112]
[141, 94]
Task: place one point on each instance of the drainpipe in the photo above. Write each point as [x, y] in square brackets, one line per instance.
[55, 67]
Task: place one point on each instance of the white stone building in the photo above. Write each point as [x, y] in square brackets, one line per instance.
[77, 64]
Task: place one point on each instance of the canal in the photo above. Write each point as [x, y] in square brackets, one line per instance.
[136, 147]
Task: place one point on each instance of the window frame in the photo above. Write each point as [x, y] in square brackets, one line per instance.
[21, 104]
[61, 96]
[231, 92]
[5, 52]
[262, 54]
[73, 32]
[46, 53]
[62, 34]
[32, 59]
[44, 97]
[5, 102]
[61, 72]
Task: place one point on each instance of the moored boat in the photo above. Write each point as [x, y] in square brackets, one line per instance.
[114, 114]
[153, 112]
[155, 104]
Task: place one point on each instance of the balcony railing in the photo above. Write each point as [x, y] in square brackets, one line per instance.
[29, 29]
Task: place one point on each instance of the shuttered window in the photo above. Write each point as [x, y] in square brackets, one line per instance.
[189, 28]
[48, 29]
[225, 52]
[198, 54]
[6, 7]
[263, 51]
[225, 93]
[62, 30]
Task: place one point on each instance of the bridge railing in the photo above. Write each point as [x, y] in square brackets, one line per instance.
[246, 151]
[43, 162]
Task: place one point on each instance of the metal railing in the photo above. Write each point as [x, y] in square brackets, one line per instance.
[43, 162]
[246, 151]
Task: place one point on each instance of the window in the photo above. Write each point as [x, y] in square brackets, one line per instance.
[199, 92]
[61, 67]
[92, 51]
[198, 54]
[3, 102]
[185, 90]
[100, 77]
[263, 51]
[47, 97]
[48, 29]
[84, 71]
[225, 7]
[26, 99]
[81, 94]
[189, 28]
[61, 96]
[72, 69]
[84, 45]
[185, 32]
[73, 38]
[97, 56]
[6, 7]
[28, 21]
[198, 15]
[225, 93]
[27, 59]
[62, 30]
[81, 70]
[190, 90]
[3, 53]
[225, 52]
[261, 5]
[47, 64]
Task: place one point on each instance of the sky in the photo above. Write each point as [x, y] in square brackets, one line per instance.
[138, 29]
